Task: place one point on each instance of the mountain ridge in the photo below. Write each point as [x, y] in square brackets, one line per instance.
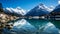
[38, 10]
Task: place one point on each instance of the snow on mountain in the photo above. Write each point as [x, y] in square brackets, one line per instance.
[17, 10]
[41, 9]
[42, 6]
[51, 8]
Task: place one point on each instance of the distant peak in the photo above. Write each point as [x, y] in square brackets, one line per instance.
[18, 8]
[42, 6]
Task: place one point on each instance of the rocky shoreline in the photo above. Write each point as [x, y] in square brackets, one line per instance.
[4, 18]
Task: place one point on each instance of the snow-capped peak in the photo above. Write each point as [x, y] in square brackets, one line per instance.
[17, 10]
[42, 6]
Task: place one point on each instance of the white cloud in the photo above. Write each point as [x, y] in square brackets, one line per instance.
[59, 2]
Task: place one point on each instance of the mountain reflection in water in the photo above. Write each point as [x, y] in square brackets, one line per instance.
[33, 26]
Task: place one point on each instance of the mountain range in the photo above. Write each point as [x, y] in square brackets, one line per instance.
[39, 10]
[15, 11]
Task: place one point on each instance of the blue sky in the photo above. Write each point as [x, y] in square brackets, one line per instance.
[27, 4]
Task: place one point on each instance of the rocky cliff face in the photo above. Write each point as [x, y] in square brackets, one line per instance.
[5, 18]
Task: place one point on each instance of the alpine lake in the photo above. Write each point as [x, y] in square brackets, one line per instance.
[34, 26]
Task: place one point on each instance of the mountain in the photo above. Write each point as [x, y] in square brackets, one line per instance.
[39, 10]
[15, 11]
[57, 9]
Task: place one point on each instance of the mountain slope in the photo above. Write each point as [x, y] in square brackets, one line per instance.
[39, 10]
[57, 9]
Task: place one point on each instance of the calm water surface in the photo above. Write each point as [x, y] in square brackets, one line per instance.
[34, 26]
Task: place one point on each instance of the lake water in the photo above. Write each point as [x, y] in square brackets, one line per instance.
[34, 26]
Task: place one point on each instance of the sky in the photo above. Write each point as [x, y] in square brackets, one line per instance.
[27, 4]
